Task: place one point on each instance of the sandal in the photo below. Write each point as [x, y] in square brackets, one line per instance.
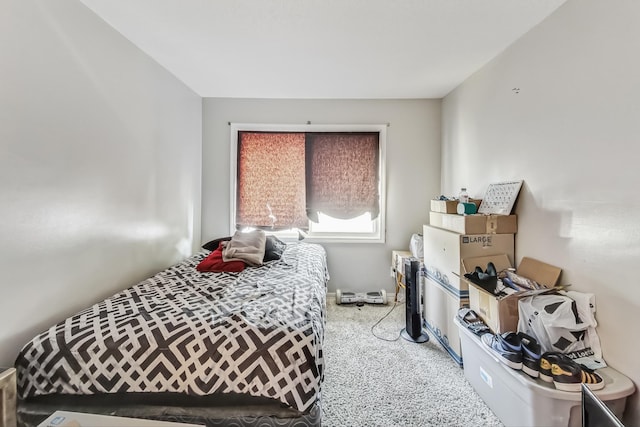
[472, 321]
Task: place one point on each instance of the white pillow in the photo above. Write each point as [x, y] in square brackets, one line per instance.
[246, 246]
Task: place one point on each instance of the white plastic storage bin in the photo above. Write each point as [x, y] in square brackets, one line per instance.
[519, 400]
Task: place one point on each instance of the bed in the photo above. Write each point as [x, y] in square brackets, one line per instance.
[209, 348]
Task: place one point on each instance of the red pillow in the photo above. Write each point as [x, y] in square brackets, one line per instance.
[214, 263]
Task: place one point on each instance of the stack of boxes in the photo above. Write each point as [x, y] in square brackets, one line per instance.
[455, 244]
[448, 240]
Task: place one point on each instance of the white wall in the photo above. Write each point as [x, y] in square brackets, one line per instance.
[572, 134]
[413, 172]
[99, 165]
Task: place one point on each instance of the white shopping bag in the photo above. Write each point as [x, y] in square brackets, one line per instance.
[564, 323]
[416, 245]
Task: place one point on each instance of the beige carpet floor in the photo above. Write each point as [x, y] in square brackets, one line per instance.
[378, 379]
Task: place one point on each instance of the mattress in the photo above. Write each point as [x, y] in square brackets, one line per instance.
[257, 333]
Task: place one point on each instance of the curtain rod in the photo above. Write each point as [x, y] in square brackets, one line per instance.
[309, 122]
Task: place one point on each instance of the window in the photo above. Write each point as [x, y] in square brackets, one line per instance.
[324, 181]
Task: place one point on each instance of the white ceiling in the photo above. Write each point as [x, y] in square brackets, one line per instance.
[359, 49]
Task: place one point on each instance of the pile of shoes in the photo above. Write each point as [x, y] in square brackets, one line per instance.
[522, 352]
[472, 321]
[496, 281]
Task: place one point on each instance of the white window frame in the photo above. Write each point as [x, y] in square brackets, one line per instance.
[379, 234]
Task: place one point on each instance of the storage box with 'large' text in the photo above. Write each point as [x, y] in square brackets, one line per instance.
[440, 308]
[444, 250]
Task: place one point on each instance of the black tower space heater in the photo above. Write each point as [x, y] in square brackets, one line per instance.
[413, 330]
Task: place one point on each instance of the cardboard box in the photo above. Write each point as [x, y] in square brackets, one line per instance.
[440, 308]
[475, 224]
[450, 206]
[500, 313]
[444, 206]
[397, 270]
[397, 261]
[444, 251]
[8, 397]
[77, 419]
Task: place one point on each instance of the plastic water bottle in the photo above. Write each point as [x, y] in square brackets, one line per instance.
[463, 197]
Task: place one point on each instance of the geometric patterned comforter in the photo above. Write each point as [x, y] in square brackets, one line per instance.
[258, 333]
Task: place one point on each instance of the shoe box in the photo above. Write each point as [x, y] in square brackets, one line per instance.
[443, 291]
[475, 224]
[519, 400]
[500, 313]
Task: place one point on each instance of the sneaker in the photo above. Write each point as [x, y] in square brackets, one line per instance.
[591, 379]
[568, 375]
[472, 321]
[506, 347]
[546, 360]
[531, 354]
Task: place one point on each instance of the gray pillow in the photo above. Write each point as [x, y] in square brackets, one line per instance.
[213, 244]
[273, 249]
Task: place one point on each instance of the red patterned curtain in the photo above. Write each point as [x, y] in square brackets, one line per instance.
[286, 178]
[342, 174]
[271, 177]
